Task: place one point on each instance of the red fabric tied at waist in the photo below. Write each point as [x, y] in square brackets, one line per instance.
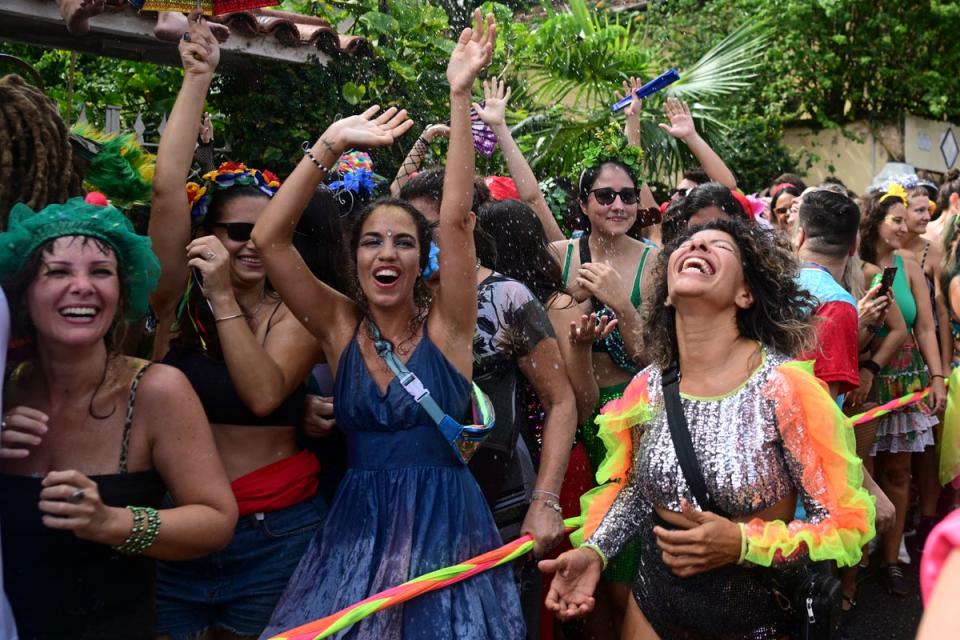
[284, 483]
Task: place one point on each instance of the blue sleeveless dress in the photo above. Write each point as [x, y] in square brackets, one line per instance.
[405, 507]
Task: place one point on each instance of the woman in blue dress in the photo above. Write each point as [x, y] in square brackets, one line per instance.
[407, 505]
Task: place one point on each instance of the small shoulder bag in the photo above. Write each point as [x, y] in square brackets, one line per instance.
[464, 439]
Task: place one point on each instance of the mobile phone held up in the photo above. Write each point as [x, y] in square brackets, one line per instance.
[886, 280]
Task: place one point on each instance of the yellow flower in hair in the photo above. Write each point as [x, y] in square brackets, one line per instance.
[895, 190]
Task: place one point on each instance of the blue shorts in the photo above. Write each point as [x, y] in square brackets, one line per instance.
[237, 588]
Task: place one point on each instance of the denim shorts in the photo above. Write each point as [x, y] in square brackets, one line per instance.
[237, 588]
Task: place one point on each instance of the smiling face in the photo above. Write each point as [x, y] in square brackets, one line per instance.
[708, 266]
[614, 218]
[245, 261]
[388, 257]
[74, 297]
[918, 214]
[893, 229]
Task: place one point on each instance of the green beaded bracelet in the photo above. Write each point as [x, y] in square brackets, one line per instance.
[146, 528]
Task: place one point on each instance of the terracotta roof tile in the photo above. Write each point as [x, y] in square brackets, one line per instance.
[294, 30]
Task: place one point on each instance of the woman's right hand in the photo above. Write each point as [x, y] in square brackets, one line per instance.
[435, 131]
[872, 308]
[576, 576]
[630, 87]
[199, 49]
[319, 419]
[22, 429]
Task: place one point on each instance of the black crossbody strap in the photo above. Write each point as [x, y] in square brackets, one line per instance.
[682, 443]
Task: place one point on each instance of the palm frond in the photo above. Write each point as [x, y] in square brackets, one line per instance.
[727, 67]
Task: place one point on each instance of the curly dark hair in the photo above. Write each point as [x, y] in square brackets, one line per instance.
[421, 294]
[872, 214]
[780, 315]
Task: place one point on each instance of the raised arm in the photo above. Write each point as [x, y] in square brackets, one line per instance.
[493, 113]
[169, 225]
[326, 313]
[411, 164]
[682, 128]
[453, 316]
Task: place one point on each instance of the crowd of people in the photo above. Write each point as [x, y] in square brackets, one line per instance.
[179, 400]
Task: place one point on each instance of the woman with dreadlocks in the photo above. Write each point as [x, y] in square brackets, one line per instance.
[36, 161]
[247, 356]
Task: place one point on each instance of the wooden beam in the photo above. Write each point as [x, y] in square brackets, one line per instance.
[126, 34]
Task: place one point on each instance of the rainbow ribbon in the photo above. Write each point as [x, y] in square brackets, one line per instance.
[889, 407]
[432, 581]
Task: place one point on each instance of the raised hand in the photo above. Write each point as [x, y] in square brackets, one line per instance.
[630, 89]
[199, 50]
[435, 131]
[571, 590]
[681, 124]
[473, 52]
[364, 131]
[494, 109]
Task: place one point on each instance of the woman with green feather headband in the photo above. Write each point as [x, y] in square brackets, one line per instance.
[92, 439]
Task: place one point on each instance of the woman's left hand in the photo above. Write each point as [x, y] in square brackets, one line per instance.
[208, 255]
[713, 542]
[71, 501]
[545, 525]
[605, 284]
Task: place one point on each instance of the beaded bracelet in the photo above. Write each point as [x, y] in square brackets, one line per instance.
[307, 152]
[146, 528]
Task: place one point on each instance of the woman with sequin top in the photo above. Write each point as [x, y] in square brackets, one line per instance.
[725, 309]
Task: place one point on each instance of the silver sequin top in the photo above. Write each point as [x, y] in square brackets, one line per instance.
[738, 444]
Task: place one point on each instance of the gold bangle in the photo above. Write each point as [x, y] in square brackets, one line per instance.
[743, 543]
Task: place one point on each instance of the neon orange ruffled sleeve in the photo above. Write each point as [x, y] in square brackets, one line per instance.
[815, 434]
[616, 421]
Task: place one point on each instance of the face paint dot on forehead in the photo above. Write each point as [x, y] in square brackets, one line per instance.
[389, 233]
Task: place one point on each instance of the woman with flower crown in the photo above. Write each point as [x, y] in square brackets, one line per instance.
[247, 357]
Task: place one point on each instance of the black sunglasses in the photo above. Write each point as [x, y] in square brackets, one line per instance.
[236, 231]
[679, 192]
[606, 195]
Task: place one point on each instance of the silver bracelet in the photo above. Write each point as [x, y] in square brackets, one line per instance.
[307, 152]
[549, 494]
[225, 318]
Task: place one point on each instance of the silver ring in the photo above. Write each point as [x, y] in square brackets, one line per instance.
[77, 496]
[210, 255]
[186, 37]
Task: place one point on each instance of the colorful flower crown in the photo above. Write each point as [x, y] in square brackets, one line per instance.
[227, 175]
[609, 143]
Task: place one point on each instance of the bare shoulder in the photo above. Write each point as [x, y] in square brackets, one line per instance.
[870, 270]
[558, 249]
[162, 383]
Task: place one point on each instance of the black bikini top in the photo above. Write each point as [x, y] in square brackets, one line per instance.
[210, 378]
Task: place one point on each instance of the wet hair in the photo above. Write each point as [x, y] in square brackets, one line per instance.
[589, 177]
[522, 248]
[319, 238]
[830, 222]
[16, 286]
[429, 184]
[711, 194]
[697, 175]
[37, 164]
[950, 186]
[421, 294]
[780, 315]
[872, 214]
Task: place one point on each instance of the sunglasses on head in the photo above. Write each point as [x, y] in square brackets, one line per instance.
[606, 195]
[236, 231]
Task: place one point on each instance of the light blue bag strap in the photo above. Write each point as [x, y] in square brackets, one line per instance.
[408, 380]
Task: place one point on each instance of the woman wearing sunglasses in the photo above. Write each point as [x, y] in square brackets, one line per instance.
[607, 268]
[247, 357]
